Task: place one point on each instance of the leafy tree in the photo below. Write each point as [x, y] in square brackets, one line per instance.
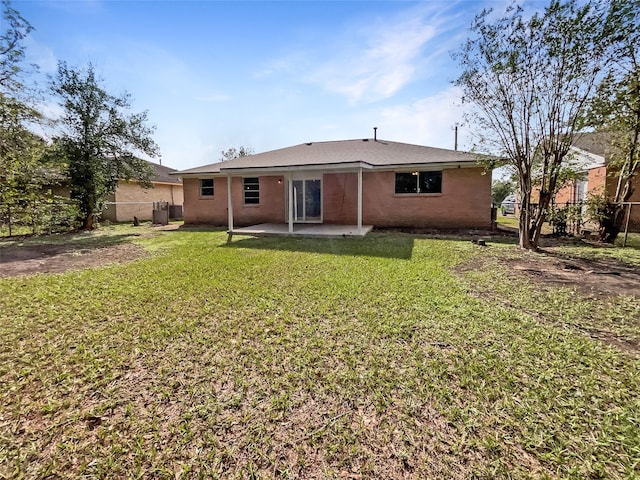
[99, 139]
[16, 97]
[616, 110]
[529, 79]
[232, 153]
[14, 30]
[20, 150]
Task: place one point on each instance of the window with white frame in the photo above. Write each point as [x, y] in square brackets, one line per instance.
[206, 187]
[251, 190]
[419, 182]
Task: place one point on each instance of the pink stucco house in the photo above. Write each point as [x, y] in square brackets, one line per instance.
[360, 183]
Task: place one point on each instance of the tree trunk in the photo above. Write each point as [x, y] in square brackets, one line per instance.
[524, 219]
[611, 224]
[86, 208]
[523, 224]
[536, 227]
[87, 223]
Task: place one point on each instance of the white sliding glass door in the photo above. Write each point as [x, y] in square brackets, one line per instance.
[307, 200]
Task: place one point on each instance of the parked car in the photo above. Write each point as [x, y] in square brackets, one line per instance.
[508, 205]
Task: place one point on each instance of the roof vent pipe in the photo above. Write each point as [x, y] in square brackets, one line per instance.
[375, 134]
[455, 139]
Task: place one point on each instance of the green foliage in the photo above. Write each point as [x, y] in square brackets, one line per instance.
[596, 203]
[99, 141]
[604, 212]
[501, 189]
[25, 171]
[16, 143]
[616, 110]
[565, 218]
[16, 97]
[44, 213]
[14, 30]
[529, 79]
[232, 153]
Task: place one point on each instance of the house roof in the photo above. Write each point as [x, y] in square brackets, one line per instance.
[367, 153]
[162, 174]
[589, 150]
[593, 142]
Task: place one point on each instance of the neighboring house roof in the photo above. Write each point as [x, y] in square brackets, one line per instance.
[593, 142]
[163, 174]
[52, 176]
[589, 150]
[366, 153]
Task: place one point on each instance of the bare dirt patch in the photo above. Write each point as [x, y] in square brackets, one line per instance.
[33, 259]
[596, 277]
[600, 279]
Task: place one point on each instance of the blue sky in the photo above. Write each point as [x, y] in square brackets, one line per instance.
[267, 75]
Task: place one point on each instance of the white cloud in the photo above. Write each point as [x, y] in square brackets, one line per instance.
[374, 59]
[427, 121]
[40, 55]
[382, 67]
[51, 110]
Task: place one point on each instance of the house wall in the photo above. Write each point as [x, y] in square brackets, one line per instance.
[142, 200]
[61, 191]
[340, 198]
[213, 210]
[465, 201]
[634, 219]
[109, 212]
[599, 182]
[565, 194]
[597, 179]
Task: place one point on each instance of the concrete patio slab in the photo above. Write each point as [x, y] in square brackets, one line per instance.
[303, 230]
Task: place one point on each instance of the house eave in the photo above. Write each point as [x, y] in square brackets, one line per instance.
[586, 160]
[154, 182]
[423, 166]
[329, 168]
[202, 175]
[282, 169]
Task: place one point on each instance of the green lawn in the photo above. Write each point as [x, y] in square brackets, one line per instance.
[299, 358]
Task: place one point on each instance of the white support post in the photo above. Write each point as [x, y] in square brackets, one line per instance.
[290, 180]
[359, 200]
[229, 203]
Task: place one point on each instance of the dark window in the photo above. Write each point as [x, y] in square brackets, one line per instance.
[251, 190]
[430, 182]
[419, 182]
[206, 187]
[406, 183]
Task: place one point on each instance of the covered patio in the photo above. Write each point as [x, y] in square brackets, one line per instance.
[317, 230]
[298, 224]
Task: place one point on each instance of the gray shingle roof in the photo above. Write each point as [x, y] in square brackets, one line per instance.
[594, 142]
[376, 154]
[163, 174]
